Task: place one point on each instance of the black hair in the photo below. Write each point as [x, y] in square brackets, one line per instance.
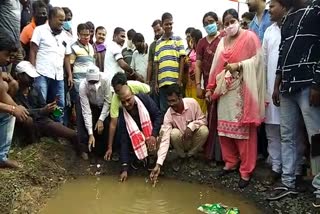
[67, 10]
[131, 33]
[174, 89]
[212, 14]
[196, 34]
[248, 15]
[82, 26]
[54, 12]
[189, 30]
[231, 12]
[90, 24]
[285, 3]
[138, 37]
[166, 16]
[156, 22]
[118, 30]
[8, 42]
[119, 78]
[100, 28]
[38, 4]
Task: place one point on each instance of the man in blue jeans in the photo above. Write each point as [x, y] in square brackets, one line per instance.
[9, 110]
[50, 53]
[297, 87]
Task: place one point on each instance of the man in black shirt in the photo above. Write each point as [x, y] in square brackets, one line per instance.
[297, 86]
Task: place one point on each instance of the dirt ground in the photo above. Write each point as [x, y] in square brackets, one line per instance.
[48, 164]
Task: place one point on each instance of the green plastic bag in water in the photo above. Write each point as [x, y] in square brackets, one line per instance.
[217, 209]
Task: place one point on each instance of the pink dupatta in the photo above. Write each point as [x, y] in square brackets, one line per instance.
[246, 49]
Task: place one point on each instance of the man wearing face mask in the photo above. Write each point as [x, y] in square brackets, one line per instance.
[99, 47]
[82, 57]
[50, 54]
[93, 116]
[39, 123]
[67, 24]
[128, 51]
[151, 74]
[206, 49]
[40, 17]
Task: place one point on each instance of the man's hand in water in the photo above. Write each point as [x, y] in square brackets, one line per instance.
[123, 176]
[154, 174]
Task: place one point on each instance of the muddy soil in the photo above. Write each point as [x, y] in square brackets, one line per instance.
[48, 164]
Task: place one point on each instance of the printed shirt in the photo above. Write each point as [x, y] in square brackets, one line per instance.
[192, 117]
[167, 54]
[136, 88]
[260, 28]
[51, 51]
[299, 54]
[99, 94]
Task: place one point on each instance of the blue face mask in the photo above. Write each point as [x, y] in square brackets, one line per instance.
[67, 25]
[211, 29]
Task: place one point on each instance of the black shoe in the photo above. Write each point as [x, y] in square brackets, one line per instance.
[316, 203]
[281, 192]
[300, 184]
[243, 183]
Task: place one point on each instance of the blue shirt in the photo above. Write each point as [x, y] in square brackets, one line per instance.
[260, 28]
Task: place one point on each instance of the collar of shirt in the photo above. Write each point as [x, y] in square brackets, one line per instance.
[186, 107]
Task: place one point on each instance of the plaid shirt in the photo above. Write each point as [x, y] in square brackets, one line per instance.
[299, 53]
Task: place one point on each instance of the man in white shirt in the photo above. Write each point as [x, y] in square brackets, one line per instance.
[114, 62]
[50, 53]
[271, 42]
[95, 98]
[139, 61]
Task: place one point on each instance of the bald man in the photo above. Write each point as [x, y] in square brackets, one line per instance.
[139, 123]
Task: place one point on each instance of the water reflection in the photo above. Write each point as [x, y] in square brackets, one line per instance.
[97, 195]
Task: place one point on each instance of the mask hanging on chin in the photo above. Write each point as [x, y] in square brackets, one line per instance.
[211, 29]
[232, 29]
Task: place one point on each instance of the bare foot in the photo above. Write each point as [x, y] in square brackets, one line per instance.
[10, 164]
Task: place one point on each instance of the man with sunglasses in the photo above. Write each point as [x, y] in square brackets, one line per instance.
[92, 118]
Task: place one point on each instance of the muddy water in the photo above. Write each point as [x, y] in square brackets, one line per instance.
[105, 195]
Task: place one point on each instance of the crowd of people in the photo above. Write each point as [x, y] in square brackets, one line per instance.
[248, 89]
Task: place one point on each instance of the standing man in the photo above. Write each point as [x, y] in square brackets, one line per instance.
[99, 47]
[39, 17]
[151, 73]
[25, 13]
[114, 61]
[128, 51]
[261, 20]
[169, 59]
[91, 27]
[50, 53]
[139, 61]
[297, 89]
[9, 110]
[92, 116]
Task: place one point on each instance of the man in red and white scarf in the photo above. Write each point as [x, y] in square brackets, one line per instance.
[139, 124]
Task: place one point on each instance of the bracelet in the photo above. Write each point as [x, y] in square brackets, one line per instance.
[12, 109]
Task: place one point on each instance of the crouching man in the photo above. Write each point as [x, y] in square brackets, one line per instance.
[39, 122]
[92, 112]
[184, 126]
[139, 123]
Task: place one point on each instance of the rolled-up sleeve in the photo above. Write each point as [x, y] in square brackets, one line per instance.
[85, 107]
[200, 119]
[165, 139]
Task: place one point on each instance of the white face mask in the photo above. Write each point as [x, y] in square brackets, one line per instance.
[94, 87]
[232, 29]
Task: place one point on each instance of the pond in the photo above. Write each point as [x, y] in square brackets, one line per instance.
[95, 195]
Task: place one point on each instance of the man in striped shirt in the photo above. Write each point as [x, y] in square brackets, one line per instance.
[297, 87]
[169, 59]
